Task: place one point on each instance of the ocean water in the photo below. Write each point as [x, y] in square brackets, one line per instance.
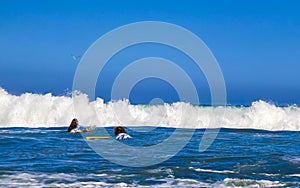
[50, 157]
[256, 146]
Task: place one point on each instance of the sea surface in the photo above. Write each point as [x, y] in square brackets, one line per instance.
[51, 157]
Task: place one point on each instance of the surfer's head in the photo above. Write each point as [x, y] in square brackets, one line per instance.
[73, 125]
[118, 130]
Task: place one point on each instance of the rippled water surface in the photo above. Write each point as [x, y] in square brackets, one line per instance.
[50, 157]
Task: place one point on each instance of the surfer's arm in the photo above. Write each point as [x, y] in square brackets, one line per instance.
[74, 131]
[123, 136]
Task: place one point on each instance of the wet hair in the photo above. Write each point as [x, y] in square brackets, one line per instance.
[118, 130]
[73, 125]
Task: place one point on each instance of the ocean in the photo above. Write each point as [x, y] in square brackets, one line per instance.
[255, 146]
[50, 157]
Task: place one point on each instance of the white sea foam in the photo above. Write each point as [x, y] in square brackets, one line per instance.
[53, 180]
[72, 180]
[293, 175]
[269, 175]
[292, 159]
[235, 182]
[212, 171]
[35, 110]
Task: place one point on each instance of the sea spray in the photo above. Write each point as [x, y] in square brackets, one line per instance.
[37, 110]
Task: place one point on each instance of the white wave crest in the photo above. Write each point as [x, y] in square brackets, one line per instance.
[212, 171]
[35, 110]
[73, 180]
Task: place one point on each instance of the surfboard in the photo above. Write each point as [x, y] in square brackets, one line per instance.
[96, 137]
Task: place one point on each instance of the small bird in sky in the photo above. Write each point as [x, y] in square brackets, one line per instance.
[75, 58]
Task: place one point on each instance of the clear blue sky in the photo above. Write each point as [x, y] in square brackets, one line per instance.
[257, 44]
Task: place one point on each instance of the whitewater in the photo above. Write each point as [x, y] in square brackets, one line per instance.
[45, 110]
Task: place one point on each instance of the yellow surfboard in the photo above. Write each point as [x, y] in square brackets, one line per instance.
[96, 137]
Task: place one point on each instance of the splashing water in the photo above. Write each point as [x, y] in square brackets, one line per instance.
[36, 110]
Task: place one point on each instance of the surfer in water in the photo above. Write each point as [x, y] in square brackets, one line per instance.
[120, 133]
[76, 128]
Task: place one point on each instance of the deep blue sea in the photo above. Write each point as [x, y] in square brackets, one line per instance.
[50, 157]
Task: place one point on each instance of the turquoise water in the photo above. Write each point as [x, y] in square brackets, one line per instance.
[50, 157]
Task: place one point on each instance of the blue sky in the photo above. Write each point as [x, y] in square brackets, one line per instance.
[256, 43]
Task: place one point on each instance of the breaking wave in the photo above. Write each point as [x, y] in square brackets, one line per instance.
[36, 110]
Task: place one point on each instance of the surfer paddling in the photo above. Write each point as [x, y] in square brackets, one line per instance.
[76, 128]
[120, 133]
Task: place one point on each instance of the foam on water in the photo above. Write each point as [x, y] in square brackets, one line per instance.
[212, 171]
[71, 180]
[35, 110]
[237, 158]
